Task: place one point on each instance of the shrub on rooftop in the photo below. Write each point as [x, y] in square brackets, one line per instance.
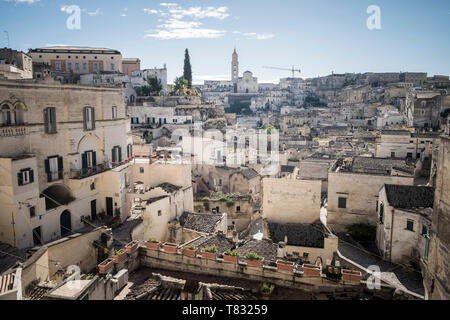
[211, 249]
[253, 256]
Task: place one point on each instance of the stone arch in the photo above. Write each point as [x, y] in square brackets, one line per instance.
[89, 141]
[19, 112]
[57, 195]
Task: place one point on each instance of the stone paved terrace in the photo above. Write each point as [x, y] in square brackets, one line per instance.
[391, 273]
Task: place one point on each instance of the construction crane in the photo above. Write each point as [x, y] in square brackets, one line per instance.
[293, 70]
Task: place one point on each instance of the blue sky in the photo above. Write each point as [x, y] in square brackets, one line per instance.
[318, 36]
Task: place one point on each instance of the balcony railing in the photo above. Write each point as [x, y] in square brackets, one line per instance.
[12, 131]
[102, 167]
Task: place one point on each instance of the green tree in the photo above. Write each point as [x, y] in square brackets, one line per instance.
[187, 74]
[180, 85]
[154, 83]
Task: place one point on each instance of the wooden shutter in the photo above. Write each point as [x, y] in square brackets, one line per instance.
[53, 118]
[94, 159]
[46, 121]
[84, 160]
[84, 119]
[113, 154]
[120, 153]
[31, 172]
[47, 169]
[93, 117]
[19, 178]
[60, 167]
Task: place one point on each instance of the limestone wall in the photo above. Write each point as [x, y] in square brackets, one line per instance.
[291, 201]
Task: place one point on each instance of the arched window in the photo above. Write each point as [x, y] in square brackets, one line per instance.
[19, 111]
[6, 115]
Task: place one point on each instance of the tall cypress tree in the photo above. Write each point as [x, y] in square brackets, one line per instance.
[187, 69]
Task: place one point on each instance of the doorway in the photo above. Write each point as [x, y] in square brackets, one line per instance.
[109, 206]
[93, 210]
[65, 223]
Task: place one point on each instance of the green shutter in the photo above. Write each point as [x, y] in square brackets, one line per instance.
[19, 178]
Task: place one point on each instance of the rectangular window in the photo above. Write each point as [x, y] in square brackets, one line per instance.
[159, 213]
[95, 66]
[25, 176]
[32, 212]
[392, 154]
[342, 203]
[69, 66]
[50, 120]
[89, 160]
[85, 66]
[409, 155]
[141, 169]
[89, 118]
[58, 65]
[116, 154]
[112, 66]
[114, 113]
[54, 168]
[77, 66]
[410, 225]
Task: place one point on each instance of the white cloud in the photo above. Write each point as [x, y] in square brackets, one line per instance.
[187, 32]
[175, 25]
[168, 4]
[258, 36]
[200, 13]
[151, 11]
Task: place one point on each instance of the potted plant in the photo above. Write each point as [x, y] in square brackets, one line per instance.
[285, 266]
[119, 255]
[190, 251]
[132, 246]
[231, 256]
[351, 276]
[106, 265]
[153, 244]
[254, 260]
[267, 289]
[170, 247]
[311, 270]
[209, 252]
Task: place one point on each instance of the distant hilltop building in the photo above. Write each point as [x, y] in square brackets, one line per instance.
[79, 60]
[245, 84]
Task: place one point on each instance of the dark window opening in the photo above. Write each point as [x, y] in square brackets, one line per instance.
[342, 203]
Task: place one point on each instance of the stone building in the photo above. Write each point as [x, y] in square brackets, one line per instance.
[291, 201]
[423, 108]
[404, 219]
[15, 64]
[436, 268]
[129, 65]
[65, 155]
[354, 185]
[78, 60]
[247, 83]
[404, 144]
